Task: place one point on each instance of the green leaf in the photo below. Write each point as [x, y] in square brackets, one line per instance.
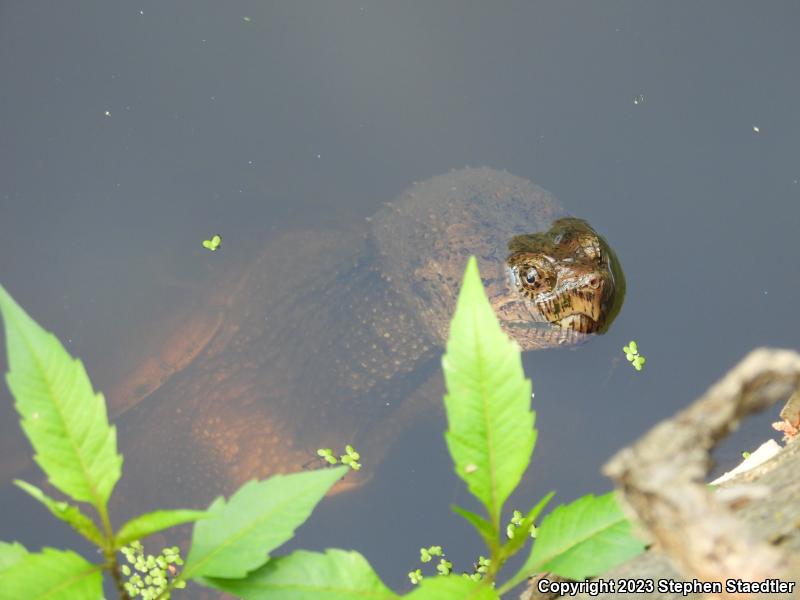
[334, 575]
[51, 574]
[66, 512]
[450, 588]
[149, 523]
[10, 553]
[491, 431]
[237, 536]
[63, 417]
[633, 347]
[584, 538]
[481, 525]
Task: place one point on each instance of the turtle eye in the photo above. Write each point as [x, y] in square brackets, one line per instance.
[531, 276]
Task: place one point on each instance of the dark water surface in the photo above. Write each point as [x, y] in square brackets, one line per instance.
[131, 131]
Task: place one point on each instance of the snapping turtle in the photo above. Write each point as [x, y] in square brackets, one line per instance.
[324, 338]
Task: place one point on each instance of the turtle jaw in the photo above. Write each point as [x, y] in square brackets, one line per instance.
[579, 322]
[583, 307]
[586, 319]
[578, 307]
[527, 324]
[534, 335]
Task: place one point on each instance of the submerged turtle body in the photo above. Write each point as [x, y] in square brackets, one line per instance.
[326, 335]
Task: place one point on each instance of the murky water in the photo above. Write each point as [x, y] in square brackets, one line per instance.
[130, 132]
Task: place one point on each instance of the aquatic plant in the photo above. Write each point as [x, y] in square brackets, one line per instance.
[349, 458]
[213, 243]
[632, 354]
[148, 576]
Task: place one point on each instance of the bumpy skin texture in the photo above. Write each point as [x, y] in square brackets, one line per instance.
[426, 236]
[326, 335]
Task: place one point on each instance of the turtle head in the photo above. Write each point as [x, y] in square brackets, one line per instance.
[548, 288]
[567, 276]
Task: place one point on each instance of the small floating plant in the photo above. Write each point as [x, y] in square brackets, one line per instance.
[213, 243]
[349, 458]
[632, 354]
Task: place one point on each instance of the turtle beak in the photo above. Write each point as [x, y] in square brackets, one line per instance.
[587, 301]
[579, 322]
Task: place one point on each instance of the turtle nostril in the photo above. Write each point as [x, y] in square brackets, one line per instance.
[594, 282]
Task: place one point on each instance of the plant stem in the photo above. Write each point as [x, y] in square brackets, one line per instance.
[117, 576]
[110, 553]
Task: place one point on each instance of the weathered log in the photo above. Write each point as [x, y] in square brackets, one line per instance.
[746, 529]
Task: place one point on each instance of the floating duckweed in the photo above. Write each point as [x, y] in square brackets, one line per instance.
[483, 565]
[327, 454]
[480, 568]
[632, 354]
[516, 522]
[349, 458]
[151, 579]
[213, 243]
[444, 567]
[426, 554]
